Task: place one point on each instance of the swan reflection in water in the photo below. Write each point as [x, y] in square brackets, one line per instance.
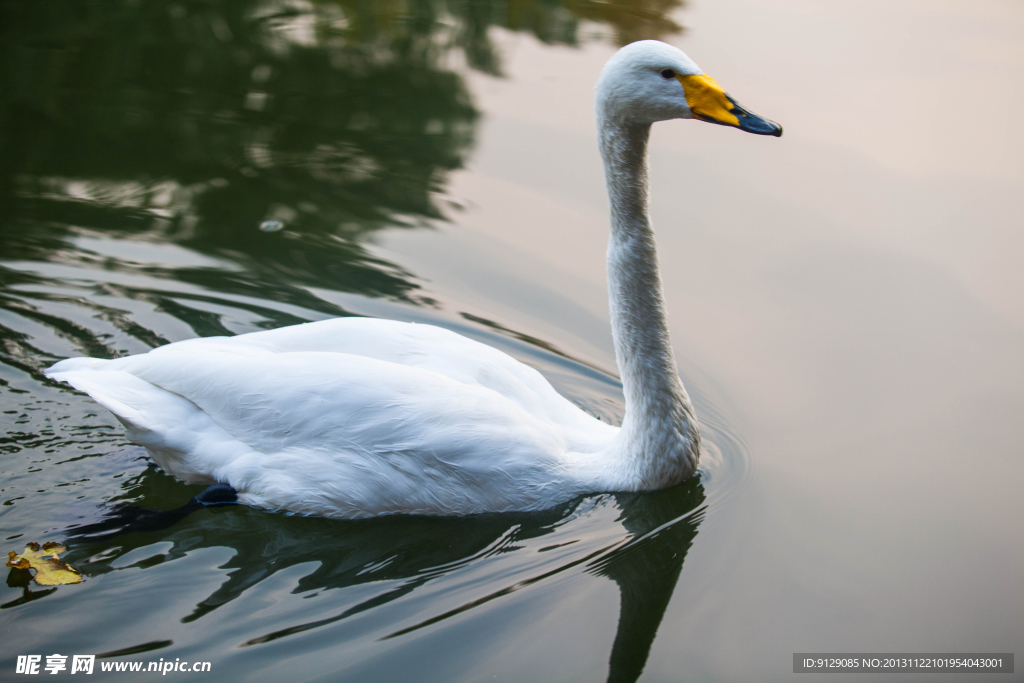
[642, 552]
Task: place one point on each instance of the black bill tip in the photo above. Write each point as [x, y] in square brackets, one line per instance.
[752, 123]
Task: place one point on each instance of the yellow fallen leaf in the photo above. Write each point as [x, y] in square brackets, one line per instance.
[50, 571]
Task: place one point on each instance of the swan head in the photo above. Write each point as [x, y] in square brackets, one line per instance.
[649, 81]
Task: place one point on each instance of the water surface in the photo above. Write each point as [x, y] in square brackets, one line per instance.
[844, 305]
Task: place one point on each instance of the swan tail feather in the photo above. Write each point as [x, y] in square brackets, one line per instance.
[182, 439]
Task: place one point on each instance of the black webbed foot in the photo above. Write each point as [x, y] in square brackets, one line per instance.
[133, 518]
[217, 495]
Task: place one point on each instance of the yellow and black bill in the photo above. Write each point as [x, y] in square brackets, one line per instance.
[709, 102]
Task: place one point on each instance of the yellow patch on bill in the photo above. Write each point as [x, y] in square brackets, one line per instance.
[707, 99]
[50, 571]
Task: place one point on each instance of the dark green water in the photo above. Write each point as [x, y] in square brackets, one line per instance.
[179, 170]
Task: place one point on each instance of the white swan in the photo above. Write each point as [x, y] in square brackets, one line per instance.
[358, 417]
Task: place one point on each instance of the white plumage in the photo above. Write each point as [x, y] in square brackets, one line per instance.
[358, 417]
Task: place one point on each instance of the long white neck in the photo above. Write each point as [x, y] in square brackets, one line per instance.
[659, 442]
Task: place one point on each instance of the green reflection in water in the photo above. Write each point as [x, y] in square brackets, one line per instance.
[196, 122]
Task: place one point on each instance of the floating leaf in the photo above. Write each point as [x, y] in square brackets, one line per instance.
[50, 571]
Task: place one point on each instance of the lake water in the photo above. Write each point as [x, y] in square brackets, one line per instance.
[845, 302]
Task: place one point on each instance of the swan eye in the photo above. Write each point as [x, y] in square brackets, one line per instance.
[668, 73]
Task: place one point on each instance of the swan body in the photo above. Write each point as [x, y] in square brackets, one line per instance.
[358, 417]
[354, 417]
